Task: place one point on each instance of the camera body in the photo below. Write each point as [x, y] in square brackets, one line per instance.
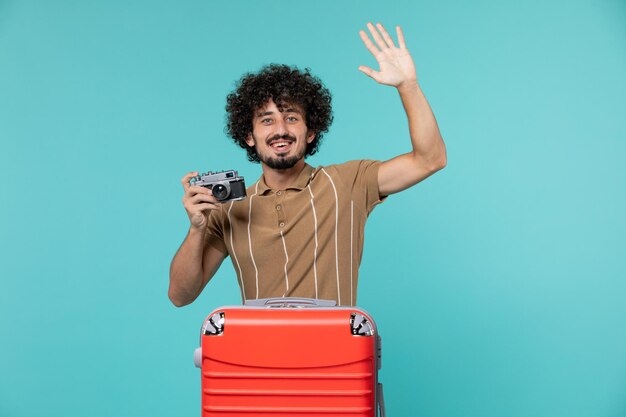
[226, 185]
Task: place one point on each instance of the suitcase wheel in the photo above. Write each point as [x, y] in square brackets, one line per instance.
[360, 325]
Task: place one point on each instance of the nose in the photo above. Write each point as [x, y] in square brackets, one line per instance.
[281, 127]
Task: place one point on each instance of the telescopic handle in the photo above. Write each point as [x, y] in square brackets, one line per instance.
[290, 302]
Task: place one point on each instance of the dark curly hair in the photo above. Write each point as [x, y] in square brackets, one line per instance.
[285, 85]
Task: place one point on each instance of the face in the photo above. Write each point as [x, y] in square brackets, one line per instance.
[280, 138]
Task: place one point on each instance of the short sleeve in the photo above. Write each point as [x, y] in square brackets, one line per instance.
[361, 176]
[215, 231]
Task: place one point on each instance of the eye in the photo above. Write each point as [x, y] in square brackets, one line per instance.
[292, 119]
[266, 121]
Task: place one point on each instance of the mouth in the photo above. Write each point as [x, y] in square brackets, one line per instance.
[281, 145]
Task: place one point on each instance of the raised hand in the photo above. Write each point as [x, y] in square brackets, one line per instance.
[396, 64]
[198, 201]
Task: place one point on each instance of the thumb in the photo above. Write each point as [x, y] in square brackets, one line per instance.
[370, 72]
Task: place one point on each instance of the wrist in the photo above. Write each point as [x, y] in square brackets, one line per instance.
[196, 232]
[408, 85]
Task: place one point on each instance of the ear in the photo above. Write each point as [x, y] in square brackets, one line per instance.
[250, 140]
[310, 137]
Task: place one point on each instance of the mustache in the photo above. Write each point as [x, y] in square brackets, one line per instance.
[278, 137]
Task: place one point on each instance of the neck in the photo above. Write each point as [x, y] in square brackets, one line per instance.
[280, 179]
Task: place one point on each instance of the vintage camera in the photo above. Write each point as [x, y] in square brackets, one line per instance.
[226, 185]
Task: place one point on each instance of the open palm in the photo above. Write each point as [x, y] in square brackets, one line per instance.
[396, 64]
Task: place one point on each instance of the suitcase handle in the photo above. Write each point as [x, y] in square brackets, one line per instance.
[290, 302]
[381, 400]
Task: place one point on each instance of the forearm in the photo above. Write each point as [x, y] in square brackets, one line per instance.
[397, 69]
[186, 272]
[427, 144]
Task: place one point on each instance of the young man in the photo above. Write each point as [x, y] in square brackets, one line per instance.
[300, 230]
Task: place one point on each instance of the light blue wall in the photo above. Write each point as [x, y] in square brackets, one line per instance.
[498, 284]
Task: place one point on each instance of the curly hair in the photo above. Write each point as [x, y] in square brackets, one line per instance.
[284, 85]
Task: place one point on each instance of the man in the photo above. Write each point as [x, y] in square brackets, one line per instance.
[300, 230]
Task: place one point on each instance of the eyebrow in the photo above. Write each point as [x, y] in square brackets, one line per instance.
[269, 113]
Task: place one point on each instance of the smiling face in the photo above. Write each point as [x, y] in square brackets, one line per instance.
[280, 136]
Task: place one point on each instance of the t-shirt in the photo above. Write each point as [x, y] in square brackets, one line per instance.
[304, 241]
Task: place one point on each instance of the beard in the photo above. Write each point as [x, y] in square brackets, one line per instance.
[282, 162]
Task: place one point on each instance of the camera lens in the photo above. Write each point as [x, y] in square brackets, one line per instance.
[220, 191]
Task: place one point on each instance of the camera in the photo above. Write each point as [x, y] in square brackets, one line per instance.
[226, 185]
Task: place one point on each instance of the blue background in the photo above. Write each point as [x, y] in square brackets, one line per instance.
[499, 284]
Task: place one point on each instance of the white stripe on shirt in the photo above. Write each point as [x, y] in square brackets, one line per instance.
[315, 251]
[351, 238]
[336, 226]
[250, 240]
[286, 262]
[243, 288]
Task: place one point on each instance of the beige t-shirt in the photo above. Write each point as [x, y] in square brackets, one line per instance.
[305, 241]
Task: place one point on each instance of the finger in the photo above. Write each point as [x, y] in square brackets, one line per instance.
[386, 36]
[196, 189]
[370, 72]
[201, 198]
[186, 178]
[379, 41]
[368, 43]
[201, 206]
[400, 37]
[207, 206]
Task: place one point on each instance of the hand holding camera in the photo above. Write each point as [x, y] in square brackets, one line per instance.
[204, 192]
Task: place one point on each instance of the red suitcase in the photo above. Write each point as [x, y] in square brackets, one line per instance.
[290, 357]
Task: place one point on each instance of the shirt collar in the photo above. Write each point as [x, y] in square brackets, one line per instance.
[299, 184]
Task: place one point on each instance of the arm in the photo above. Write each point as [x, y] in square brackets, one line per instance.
[195, 263]
[428, 153]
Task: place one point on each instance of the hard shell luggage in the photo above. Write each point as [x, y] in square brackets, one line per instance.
[290, 357]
